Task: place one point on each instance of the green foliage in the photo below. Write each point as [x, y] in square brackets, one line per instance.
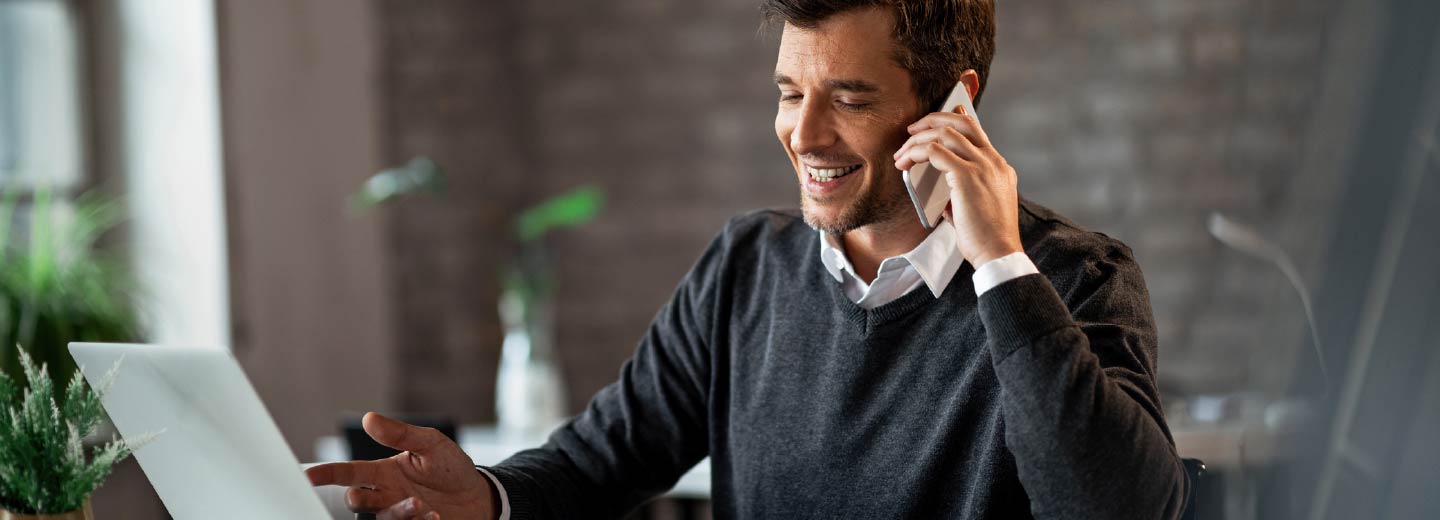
[55, 287]
[43, 468]
[571, 209]
[529, 277]
[420, 174]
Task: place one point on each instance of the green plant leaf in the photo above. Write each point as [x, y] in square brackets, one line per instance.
[43, 467]
[574, 208]
[421, 174]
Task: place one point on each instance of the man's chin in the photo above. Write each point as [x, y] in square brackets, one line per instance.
[824, 219]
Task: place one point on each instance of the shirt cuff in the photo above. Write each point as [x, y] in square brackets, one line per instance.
[504, 499]
[1001, 270]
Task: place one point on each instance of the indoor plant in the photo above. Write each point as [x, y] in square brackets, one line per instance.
[55, 286]
[43, 468]
[529, 394]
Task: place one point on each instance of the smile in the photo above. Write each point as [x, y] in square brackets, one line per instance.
[830, 174]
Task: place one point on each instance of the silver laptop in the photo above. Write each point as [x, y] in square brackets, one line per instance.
[220, 454]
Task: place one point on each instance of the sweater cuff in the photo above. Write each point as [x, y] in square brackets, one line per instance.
[1001, 270]
[1018, 311]
[500, 488]
[513, 505]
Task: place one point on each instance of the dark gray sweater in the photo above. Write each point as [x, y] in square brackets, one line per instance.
[1037, 400]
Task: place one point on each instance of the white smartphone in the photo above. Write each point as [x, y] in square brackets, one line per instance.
[927, 187]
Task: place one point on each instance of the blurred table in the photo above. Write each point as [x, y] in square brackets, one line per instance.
[1219, 445]
[487, 447]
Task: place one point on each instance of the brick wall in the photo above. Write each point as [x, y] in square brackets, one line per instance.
[1138, 119]
[1134, 118]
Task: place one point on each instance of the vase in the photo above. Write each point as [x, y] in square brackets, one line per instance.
[529, 396]
[83, 513]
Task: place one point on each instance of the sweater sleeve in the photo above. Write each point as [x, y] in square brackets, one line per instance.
[1081, 407]
[639, 434]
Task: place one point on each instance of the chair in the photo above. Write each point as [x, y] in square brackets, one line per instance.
[1194, 472]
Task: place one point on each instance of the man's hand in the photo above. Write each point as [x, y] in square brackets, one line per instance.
[984, 205]
[431, 479]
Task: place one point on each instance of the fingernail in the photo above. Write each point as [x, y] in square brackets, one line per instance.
[432, 516]
[409, 506]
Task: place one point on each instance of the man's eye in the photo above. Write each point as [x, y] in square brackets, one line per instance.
[853, 107]
[789, 98]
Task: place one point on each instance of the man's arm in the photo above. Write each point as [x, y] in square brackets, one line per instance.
[639, 434]
[1082, 411]
[1082, 415]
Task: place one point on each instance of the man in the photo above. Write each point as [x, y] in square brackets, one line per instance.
[870, 371]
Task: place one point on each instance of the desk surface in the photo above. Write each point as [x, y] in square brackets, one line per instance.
[1218, 445]
[486, 446]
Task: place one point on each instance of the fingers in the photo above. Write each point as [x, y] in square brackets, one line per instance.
[401, 436]
[951, 138]
[936, 154]
[965, 123]
[366, 500]
[354, 473]
[409, 509]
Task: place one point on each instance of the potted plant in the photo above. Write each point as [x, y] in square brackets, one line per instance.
[44, 472]
[55, 286]
[529, 393]
[529, 396]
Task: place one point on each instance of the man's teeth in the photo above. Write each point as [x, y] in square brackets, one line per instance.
[829, 174]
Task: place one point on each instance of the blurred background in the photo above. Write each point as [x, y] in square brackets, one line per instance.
[242, 139]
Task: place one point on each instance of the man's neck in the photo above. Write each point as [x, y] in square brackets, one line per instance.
[867, 246]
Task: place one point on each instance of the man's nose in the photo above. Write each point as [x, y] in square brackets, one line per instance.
[814, 129]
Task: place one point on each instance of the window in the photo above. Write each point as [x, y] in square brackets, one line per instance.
[40, 111]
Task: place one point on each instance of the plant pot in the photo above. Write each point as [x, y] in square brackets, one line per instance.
[83, 513]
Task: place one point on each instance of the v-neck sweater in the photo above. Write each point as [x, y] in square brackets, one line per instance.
[1035, 400]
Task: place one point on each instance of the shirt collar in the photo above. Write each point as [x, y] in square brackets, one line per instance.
[936, 259]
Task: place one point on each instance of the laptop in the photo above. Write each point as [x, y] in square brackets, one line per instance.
[218, 454]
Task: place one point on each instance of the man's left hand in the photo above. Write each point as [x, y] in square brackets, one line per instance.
[984, 204]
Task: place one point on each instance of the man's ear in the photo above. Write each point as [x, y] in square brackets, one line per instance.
[971, 79]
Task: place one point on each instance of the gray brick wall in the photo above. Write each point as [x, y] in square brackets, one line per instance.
[1134, 118]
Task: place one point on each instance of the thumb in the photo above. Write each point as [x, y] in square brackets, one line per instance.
[399, 435]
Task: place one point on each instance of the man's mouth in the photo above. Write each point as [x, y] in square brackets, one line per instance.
[830, 174]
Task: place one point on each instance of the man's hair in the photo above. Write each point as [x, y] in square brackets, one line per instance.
[935, 40]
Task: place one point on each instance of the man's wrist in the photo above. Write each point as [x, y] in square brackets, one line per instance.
[994, 253]
[1001, 270]
[495, 491]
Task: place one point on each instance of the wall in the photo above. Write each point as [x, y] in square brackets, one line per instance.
[310, 291]
[664, 105]
[1135, 118]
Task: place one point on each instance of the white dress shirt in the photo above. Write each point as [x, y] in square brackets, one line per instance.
[933, 264]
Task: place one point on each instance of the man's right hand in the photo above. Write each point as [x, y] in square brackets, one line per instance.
[430, 479]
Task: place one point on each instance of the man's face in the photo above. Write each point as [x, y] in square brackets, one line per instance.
[844, 106]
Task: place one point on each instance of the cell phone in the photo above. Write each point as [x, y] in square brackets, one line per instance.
[928, 191]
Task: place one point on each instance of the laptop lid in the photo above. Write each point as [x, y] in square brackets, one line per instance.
[218, 453]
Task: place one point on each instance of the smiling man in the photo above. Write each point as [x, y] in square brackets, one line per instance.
[1000, 366]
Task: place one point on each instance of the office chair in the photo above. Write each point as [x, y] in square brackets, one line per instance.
[1195, 472]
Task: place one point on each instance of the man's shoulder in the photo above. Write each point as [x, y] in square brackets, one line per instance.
[766, 225]
[758, 238]
[1057, 244]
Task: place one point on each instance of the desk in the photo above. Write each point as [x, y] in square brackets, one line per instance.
[487, 447]
[1221, 446]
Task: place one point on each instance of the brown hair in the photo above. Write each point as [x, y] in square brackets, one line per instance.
[935, 40]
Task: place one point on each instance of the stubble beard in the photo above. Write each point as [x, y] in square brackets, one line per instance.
[872, 207]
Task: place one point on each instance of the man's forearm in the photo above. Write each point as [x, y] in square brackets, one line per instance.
[1088, 439]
